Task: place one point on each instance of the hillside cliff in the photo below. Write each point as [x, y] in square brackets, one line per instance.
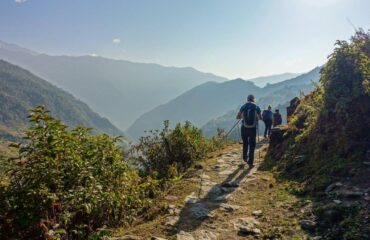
[327, 145]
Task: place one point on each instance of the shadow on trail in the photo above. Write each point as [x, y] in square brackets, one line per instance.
[189, 222]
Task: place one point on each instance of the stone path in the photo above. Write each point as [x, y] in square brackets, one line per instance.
[202, 210]
[227, 201]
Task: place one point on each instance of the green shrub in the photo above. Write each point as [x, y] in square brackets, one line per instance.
[172, 151]
[66, 184]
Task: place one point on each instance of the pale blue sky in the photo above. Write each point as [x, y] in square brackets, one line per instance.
[231, 38]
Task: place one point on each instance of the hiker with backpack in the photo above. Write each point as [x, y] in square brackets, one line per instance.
[250, 113]
[267, 119]
[277, 120]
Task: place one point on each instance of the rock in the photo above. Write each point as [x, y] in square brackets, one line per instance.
[257, 213]
[206, 235]
[277, 134]
[337, 201]
[171, 198]
[366, 163]
[205, 177]
[200, 211]
[223, 198]
[308, 224]
[207, 190]
[172, 220]
[351, 194]
[230, 184]
[246, 225]
[220, 160]
[190, 199]
[226, 172]
[229, 208]
[184, 236]
[333, 186]
[265, 179]
[317, 238]
[173, 210]
[227, 190]
[157, 238]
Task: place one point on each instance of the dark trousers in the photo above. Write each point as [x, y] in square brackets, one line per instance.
[268, 124]
[249, 143]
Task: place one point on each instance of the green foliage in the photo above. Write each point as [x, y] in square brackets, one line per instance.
[69, 183]
[331, 126]
[329, 134]
[171, 151]
[344, 217]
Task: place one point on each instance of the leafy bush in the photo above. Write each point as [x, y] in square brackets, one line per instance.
[66, 184]
[170, 152]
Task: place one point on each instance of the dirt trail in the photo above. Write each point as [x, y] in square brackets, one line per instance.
[223, 200]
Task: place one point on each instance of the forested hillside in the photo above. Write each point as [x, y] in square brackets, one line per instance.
[279, 99]
[197, 105]
[212, 100]
[20, 91]
[118, 89]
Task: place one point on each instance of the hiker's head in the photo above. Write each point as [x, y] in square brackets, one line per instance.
[277, 110]
[269, 107]
[250, 98]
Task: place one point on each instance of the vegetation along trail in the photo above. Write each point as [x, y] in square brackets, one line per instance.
[221, 199]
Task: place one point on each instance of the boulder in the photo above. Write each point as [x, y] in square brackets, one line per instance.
[308, 224]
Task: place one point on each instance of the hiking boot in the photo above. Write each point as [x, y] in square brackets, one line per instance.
[250, 165]
[242, 165]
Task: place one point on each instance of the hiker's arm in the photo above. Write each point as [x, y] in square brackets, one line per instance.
[239, 115]
[259, 116]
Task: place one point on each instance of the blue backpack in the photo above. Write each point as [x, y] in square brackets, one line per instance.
[250, 115]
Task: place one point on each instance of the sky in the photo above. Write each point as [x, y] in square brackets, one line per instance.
[230, 38]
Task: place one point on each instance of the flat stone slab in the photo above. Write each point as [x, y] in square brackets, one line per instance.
[229, 208]
[226, 172]
[191, 198]
[200, 211]
[246, 226]
[184, 236]
[172, 220]
[223, 198]
[205, 235]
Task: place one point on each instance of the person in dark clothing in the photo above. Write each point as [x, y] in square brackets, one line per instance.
[250, 113]
[277, 120]
[267, 119]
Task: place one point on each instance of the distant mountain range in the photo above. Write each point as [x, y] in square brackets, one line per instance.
[147, 94]
[264, 80]
[212, 100]
[20, 91]
[118, 89]
[277, 95]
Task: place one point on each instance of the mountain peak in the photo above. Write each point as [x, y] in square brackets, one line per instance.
[15, 48]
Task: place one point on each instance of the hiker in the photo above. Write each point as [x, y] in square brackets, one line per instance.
[267, 119]
[250, 113]
[277, 120]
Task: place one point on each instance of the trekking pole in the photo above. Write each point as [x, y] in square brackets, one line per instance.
[232, 129]
[258, 139]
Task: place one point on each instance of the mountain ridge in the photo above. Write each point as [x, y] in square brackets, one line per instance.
[21, 90]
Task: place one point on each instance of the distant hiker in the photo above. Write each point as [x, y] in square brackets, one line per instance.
[250, 113]
[277, 118]
[267, 119]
